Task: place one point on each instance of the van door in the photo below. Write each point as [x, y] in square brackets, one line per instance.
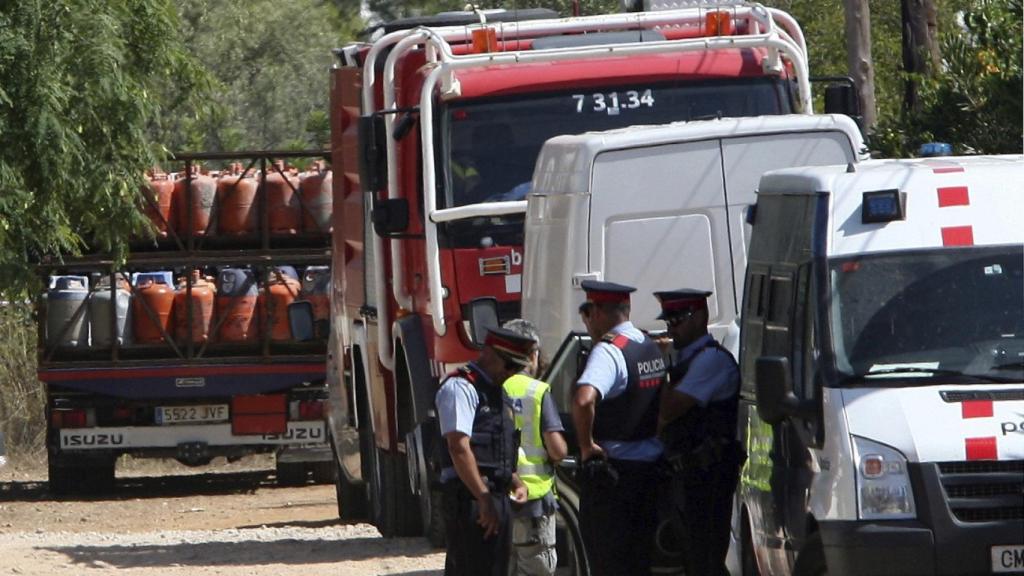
[745, 159]
[658, 221]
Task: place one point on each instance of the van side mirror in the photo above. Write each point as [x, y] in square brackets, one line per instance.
[483, 314]
[390, 216]
[373, 156]
[300, 320]
[774, 387]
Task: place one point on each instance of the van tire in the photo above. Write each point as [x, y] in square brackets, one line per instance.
[811, 560]
[748, 558]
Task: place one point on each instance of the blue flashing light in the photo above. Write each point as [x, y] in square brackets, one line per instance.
[883, 206]
[929, 149]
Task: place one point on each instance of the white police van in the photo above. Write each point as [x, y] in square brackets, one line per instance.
[882, 353]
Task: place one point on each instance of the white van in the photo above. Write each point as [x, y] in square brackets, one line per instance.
[882, 354]
[659, 207]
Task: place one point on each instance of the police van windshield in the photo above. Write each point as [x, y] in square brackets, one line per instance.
[491, 144]
[911, 318]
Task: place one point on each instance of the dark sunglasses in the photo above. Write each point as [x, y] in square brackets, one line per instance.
[679, 318]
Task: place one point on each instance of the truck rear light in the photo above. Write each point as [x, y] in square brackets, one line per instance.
[259, 414]
[309, 410]
[75, 418]
[123, 414]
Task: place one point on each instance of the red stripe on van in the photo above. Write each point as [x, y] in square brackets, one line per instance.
[977, 409]
[981, 448]
[954, 196]
[947, 169]
[958, 236]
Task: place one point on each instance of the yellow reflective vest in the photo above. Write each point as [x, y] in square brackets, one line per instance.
[534, 468]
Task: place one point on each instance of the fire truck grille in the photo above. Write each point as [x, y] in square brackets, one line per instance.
[984, 491]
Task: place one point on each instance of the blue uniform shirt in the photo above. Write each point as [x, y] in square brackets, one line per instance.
[607, 373]
[456, 403]
[712, 375]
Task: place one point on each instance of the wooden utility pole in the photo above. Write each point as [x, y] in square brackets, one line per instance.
[858, 57]
[920, 44]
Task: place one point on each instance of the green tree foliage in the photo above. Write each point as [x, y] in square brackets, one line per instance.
[269, 63]
[975, 101]
[78, 90]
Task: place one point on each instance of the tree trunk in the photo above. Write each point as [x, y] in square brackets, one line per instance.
[920, 44]
[858, 56]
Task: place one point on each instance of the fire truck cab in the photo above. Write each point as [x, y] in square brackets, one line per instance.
[882, 361]
[436, 127]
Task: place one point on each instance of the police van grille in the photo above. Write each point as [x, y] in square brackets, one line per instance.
[984, 491]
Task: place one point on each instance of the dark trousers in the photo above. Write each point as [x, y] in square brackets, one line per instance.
[618, 521]
[703, 500]
[469, 553]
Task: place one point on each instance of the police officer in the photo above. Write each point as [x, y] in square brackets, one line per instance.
[478, 469]
[541, 447]
[615, 413]
[698, 427]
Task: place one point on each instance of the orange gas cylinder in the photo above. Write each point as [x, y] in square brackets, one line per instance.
[236, 202]
[282, 200]
[317, 202]
[284, 287]
[237, 293]
[152, 292]
[204, 192]
[203, 294]
[316, 288]
[157, 205]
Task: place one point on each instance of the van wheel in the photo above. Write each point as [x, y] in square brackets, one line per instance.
[748, 560]
[811, 561]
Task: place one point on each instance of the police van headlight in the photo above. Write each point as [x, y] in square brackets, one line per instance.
[883, 484]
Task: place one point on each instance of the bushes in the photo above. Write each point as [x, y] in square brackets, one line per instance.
[22, 401]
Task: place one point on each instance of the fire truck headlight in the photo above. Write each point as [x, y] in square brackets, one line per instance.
[883, 484]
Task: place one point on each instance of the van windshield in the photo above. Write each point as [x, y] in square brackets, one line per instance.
[490, 145]
[955, 315]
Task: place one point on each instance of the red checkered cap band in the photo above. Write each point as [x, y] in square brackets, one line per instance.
[684, 304]
[520, 350]
[607, 297]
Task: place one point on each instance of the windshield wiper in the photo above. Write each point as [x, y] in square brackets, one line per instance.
[1019, 365]
[919, 370]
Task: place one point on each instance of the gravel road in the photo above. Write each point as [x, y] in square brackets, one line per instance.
[230, 521]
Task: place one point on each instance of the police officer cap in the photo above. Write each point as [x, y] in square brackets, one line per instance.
[510, 345]
[600, 292]
[678, 301]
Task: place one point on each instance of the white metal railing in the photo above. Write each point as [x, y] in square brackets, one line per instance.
[771, 29]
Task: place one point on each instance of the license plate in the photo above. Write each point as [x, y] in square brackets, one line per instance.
[1008, 559]
[201, 413]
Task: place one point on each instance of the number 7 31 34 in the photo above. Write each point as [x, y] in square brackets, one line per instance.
[612, 103]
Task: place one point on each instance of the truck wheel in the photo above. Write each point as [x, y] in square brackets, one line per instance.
[811, 560]
[352, 501]
[405, 505]
[291, 473]
[431, 509]
[322, 472]
[62, 478]
[380, 505]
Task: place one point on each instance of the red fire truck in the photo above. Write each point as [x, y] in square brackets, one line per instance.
[436, 126]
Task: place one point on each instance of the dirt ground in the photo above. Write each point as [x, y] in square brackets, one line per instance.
[170, 520]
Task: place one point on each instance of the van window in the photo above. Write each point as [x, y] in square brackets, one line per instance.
[778, 325]
[803, 336]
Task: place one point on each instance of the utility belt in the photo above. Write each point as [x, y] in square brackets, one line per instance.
[712, 452]
[497, 483]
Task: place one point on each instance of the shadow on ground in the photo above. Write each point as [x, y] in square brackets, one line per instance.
[141, 487]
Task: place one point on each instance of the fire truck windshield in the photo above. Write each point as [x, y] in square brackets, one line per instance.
[900, 319]
[491, 144]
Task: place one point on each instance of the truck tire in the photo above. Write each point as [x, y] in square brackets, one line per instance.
[811, 560]
[353, 504]
[401, 508]
[79, 476]
[432, 511]
[291, 473]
